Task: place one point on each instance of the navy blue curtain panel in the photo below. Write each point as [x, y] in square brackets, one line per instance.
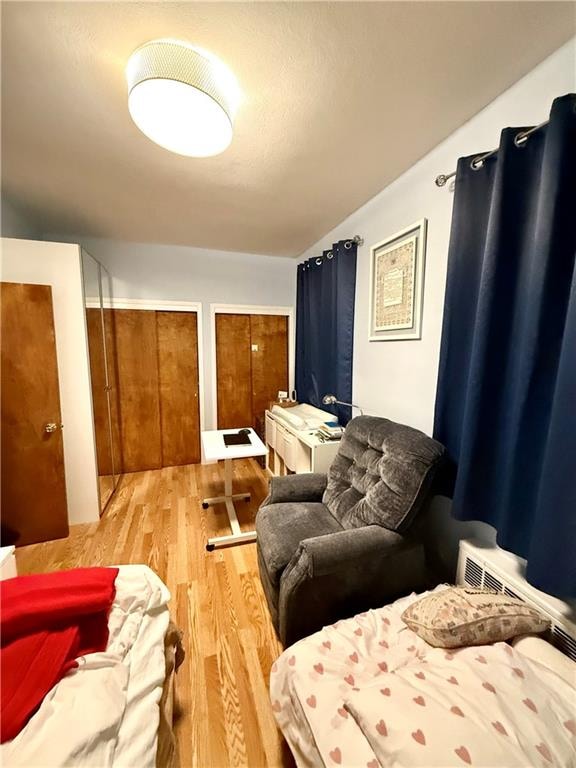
[506, 398]
[325, 327]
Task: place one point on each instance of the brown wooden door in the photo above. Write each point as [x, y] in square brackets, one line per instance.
[251, 366]
[269, 345]
[177, 334]
[233, 371]
[33, 481]
[138, 389]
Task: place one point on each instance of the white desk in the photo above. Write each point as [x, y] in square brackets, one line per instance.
[296, 450]
[215, 450]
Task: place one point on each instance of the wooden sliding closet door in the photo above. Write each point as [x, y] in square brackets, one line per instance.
[114, 396]
[251, 366]
[138, 389]
[178, 377]
[158, 388]
[233, 371]
[99, 398]
[269, 342]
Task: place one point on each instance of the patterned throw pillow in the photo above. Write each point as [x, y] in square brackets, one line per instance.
[463, 616]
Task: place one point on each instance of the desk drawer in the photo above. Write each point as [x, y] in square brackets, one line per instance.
[297, 455]
[291, 444]
[270, 432]
[280, 439]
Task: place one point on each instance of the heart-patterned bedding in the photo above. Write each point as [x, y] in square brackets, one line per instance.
[369, 692]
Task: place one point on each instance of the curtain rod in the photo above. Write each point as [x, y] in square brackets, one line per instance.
[347, 244]
[477, 162]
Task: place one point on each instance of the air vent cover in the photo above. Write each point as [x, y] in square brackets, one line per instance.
[563, 641]
[492, 583]
[472, 573]
[477, 572]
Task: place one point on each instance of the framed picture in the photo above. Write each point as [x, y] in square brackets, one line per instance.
[397, 285]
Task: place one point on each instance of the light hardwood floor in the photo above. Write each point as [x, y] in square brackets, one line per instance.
[224, 714]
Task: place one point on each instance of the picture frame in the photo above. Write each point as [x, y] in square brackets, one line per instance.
[397, 266]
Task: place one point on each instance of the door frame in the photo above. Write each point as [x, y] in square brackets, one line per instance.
[161, 305]
[248, 309]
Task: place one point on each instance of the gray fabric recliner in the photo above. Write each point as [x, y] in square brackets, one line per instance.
[330, 546]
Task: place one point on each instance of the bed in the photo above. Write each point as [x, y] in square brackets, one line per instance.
[368, 691]
[115, 709]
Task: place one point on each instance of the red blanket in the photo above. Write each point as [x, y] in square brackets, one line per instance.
[47, 621]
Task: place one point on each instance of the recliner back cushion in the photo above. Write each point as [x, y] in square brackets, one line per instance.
[381, 474]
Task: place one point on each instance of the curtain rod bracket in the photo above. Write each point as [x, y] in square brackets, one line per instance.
[443, 178]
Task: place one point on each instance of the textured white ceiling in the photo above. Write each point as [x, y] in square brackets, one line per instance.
[339, 99]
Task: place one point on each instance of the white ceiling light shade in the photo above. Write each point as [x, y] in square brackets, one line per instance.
[182, 98]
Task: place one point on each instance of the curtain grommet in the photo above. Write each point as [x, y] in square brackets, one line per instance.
[520, 139]
[330, 255]
[476, 163]
[348, 244]
[319, 260]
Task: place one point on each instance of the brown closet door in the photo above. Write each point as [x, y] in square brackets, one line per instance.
[269, 343]
[178, 377]
[33, 495]
[99, 398]
[233, 371]
[114, 396]
[138, 389]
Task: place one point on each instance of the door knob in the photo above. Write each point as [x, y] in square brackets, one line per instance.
[52, 427]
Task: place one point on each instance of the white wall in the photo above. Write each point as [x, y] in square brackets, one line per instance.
[397, 379]
[15, 221]
[176, 273]
[58, 265]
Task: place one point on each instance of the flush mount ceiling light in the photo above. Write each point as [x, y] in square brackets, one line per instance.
[181, 97]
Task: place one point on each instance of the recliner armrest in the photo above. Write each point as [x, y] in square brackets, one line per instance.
[340, 574]
[294, 488]
[335, 551]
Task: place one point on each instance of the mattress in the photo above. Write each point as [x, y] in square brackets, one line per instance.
[369, 692]
[105, 712]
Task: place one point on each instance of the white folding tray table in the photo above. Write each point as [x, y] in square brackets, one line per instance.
[215, 449]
